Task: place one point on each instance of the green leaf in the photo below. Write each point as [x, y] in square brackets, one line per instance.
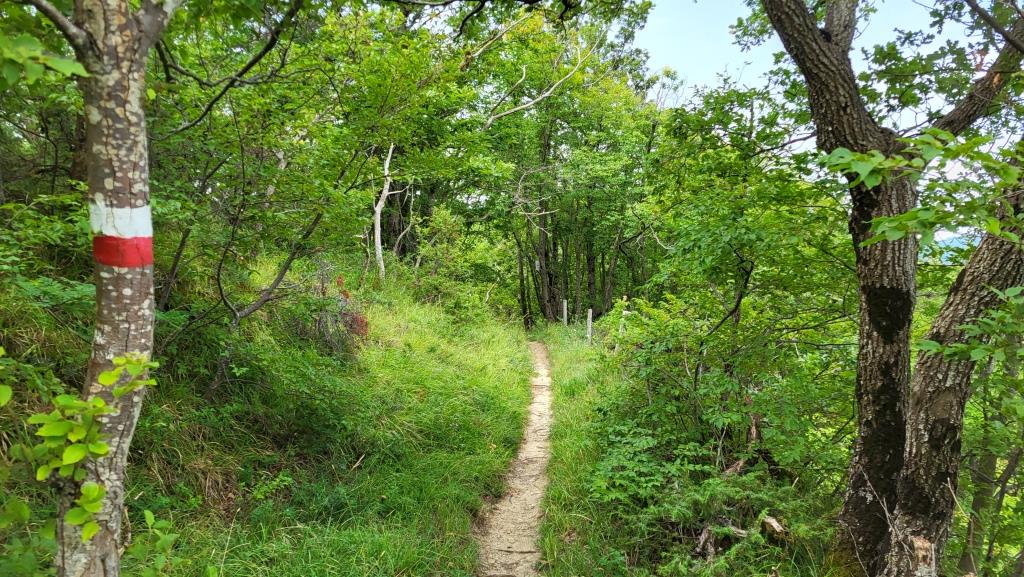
[75, 453]
[33, 71]
[150, 518]
[894, 234]
[839, 157]
[10, 71]
[77, 433]
[58, 429]
[165, 542]
[873, 179]
[89, 529]
[865, 164]
[92, 491]
[26, 44]
[77, 516]
[110, 377]
[99, 448]
[15, 511]
[43, 472]
[66, 66]
[40, 418]
[5, 394]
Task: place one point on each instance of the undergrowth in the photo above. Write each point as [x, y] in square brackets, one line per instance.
[307, 460]
[642, 485]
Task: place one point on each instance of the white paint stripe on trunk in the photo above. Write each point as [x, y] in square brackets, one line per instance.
[126, 222]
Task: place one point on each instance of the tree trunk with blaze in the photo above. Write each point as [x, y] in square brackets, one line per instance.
[112, 41]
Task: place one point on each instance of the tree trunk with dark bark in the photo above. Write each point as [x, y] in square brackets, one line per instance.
[935, 411]
[880, 478]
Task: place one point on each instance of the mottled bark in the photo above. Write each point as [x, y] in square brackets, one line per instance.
[112, 41]
[378, 209]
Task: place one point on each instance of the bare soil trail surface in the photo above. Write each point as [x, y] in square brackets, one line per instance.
[510, 530]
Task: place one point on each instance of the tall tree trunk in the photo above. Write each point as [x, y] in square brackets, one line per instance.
[524, 293]
[886, 274]
[566, 268]
[935, 411]
[887, 286]
[609, 282]
[535, 274]
[547, 295]
[578, 280]
[591, 269]
[112, 41]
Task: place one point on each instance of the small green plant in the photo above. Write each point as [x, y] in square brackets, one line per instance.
[152, 550]
[70, 436]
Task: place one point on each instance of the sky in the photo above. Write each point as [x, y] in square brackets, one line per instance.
[693, 38]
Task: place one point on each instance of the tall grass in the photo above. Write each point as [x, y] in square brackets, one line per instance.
[310, 463]
[576, 538]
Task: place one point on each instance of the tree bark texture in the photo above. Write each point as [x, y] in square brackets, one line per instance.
[886, 274]
[112, 41]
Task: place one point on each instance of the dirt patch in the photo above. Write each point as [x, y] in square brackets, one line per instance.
[510, 530]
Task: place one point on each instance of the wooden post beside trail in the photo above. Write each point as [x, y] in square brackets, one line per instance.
[565, 312]
[590, 326]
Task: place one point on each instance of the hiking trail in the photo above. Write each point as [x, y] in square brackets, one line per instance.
[509, 533]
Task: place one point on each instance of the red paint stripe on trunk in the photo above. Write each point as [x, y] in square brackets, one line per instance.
[125, 252]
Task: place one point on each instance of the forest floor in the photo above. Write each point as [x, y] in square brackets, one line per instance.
[510, 529]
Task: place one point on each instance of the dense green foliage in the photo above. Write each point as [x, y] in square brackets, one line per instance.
[316, 412]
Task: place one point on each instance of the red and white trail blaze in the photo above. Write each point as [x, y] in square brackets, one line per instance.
[122, 236]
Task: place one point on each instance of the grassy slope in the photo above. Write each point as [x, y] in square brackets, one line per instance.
[574, 536]
[323, 466]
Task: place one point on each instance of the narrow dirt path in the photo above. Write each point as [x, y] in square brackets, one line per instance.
[510, 531]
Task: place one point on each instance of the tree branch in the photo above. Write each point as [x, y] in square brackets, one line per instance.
[267, 293]
[275, 35]
[836, 103]
[78, 38]
[550, 90]
[841, 22]
[992, 22]
[509, 93]
[985, 90]
[154, 17]
[490, 42]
